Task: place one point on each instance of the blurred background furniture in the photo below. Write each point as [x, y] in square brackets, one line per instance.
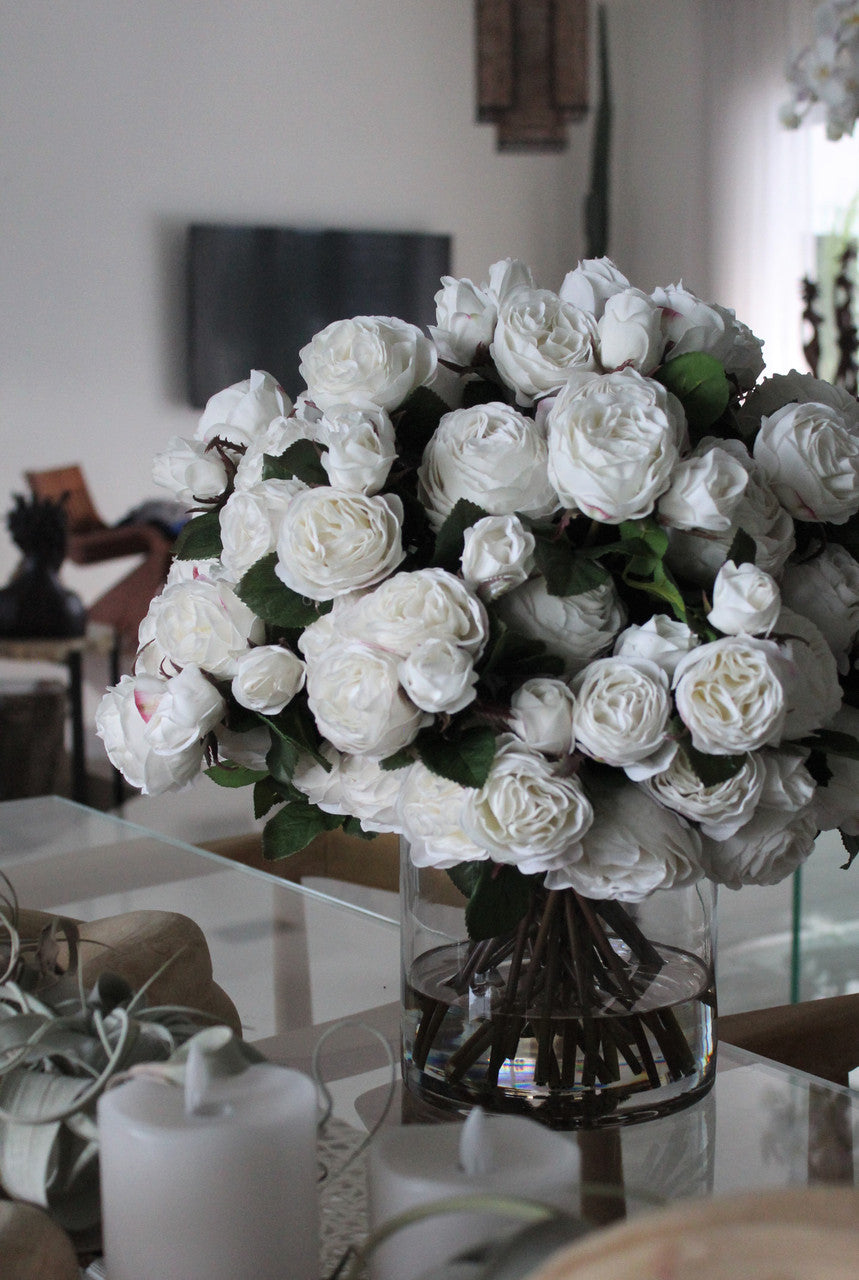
[92, 541]
[28, 733]
[817, 1036]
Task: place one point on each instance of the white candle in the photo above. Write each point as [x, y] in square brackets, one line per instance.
[216, 1181]
[418, 1164]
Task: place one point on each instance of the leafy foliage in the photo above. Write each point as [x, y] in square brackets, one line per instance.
[273, 601]
[300, 461]
[200, 538]
[498, 901]
[700, 384]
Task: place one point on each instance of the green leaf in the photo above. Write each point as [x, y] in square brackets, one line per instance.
[851, 847]
[273, 601]
[509, 654]
[465, 876]
[701, 385]
[499, 901]
[712, 770]
[415, 422]
[399, 760]
[282, 758]
[200, 538]
[267, 794]
[743, 548]
[833, 742]
[353, 827]
[481, 391]
[567, 572]
[300, 461]
[227, 774]
[465, 758]
[296, 725]
[293, 827]
[451, 535]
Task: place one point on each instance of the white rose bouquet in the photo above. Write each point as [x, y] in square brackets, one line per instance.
[557, 593]
[824, 76]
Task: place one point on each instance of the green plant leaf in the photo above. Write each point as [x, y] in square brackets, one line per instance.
[713, 769]
[296, 725]
[200, 538]
[567, 572]
[267, 794]
[498, 902]
[700, 384]
[744, 549]
[352, 827]
[399, 760]
[465, 758]
[293, 827]
[300, 461]
[509, 654]
[465, 876]
[273, 601]
[851, 848]
[833, 742]
[644, 543]
[281, 759]
[416, 421]
[228, 774]
[450, 537]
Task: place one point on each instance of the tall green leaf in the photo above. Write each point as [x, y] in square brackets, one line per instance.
[465, 758]
[293, 827]
[700, 384]
[498, 902]
[273, 601]
[300, 461]
[450, 538]
[200, 538]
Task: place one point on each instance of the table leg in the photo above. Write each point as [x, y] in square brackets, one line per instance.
[79, 781]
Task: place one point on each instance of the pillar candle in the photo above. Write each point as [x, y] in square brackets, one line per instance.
[418, 1164]
[216, 1181]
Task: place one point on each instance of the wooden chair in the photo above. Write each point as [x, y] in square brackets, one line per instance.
[817, 1036]
[92, 541]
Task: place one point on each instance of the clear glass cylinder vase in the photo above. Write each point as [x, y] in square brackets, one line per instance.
[587, 1013]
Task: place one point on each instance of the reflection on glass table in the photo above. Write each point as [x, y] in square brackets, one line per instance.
[296, 961]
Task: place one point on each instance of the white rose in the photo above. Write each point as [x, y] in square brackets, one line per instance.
[375, 359]
[190, 570]
[526, 813]
[592, 283]
[541, 714]
[504, 277]
[273, 440]
[354, 694]
[660, 639]
[576, 628]
[539, 340]
[721, 808]
[730, 695]
[192, 473]
[370, 793]
[428, 812]
[765, 851]
[241, 412]
[610, 455]
[331, 542]
[491, 455]
[810, 676]
[705, 492]
[759, 513]
[689, 324]
[409, 608]
[788, 785]
[836, 804]
[632, 848]
[811, 458]
[799, 388]
[438, 676]
[185, 711]
[826, 590]
[150, 659]
[250, 520]
[465, 320]
[320, 784]
[204, 624]
[740, 351]
[630, 332]
[121, 722]
[621, 715]
[267, 678]
[745, 599]
[361, 447]
[497, 555]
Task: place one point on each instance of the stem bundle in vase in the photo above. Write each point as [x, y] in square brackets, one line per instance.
[576, 1014]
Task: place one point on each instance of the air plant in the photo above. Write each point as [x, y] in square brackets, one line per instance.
[60, 1047]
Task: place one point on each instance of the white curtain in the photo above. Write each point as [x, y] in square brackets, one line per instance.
[759, 175]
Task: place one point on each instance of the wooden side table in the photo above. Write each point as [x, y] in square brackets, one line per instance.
[98, 639]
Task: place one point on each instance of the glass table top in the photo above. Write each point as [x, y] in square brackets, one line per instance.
[296, 961]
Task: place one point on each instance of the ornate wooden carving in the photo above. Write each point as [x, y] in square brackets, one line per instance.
[532, 70]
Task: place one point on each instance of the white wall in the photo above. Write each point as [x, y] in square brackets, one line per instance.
[122, 120]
